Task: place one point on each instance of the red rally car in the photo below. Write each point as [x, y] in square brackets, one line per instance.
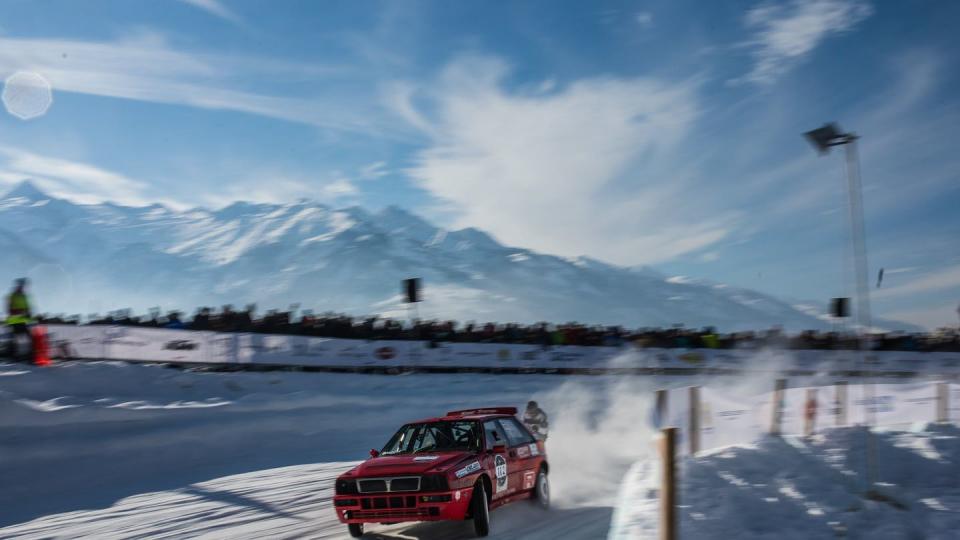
[459, 466]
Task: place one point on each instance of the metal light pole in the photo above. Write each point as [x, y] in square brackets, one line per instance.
[823, 139]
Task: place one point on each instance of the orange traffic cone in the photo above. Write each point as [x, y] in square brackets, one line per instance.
[41, 348]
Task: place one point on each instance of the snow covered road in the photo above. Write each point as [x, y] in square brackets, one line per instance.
[115, 450]
[288, 502]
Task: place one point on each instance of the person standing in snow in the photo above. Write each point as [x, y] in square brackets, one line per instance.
[19, 316]
[536, 420]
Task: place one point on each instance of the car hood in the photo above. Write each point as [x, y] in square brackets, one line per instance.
[409, 464]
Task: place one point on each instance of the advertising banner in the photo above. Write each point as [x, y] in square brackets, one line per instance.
[159, 344]
[155, 344]
[68, 341]
[891, 404]
[725, 420]
[221, 347]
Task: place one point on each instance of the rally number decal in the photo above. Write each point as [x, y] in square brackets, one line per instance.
[501, 470]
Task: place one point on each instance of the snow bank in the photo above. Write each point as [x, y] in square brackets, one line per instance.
[795, 488]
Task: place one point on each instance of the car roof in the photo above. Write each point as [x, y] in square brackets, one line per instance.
[472, 414]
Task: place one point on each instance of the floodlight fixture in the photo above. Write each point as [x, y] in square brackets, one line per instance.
[827, 136]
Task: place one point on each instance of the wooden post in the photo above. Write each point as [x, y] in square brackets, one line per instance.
[840, 403]
[694, 424]
[810, 409]
[668, 484]
[776, 408]
[943, 402]
[661, 407]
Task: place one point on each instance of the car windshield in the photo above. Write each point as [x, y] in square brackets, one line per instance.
[434, 437]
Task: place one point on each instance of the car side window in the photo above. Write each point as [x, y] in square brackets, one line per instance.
[516, 433]
[494, 434]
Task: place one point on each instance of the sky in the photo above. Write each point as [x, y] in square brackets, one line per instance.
[661, 133]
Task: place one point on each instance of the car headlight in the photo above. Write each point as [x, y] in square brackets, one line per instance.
[345, 487]
[434, 482]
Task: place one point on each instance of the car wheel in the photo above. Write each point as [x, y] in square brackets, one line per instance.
[541, 491]
[356, 529]
[481, 510]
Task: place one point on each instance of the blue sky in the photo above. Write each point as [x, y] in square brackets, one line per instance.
[639, 133]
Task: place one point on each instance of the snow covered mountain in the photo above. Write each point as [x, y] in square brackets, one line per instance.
[96, 258]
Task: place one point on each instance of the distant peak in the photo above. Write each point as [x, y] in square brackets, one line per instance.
[26, 190]
[398, 216]
[396, 212]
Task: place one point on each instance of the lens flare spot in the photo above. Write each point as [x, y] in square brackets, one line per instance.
[27, 95]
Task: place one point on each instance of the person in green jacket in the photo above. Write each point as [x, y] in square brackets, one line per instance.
[19, 316]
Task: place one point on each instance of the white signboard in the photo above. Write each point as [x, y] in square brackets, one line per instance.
[725, 420]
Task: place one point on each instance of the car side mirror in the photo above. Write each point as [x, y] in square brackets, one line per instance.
[374, 453]
[499, 447]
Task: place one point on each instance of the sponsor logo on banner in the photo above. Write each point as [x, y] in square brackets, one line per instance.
[501, 470]
[474, 354]
[878, 404]
[179, 345]
[691, 358]
[386, 353]
[727, 359]
[471, 468]
[304, 349]
[503, 354]
[873, 360]
[950, 362]
[561, 356]
[529, 355]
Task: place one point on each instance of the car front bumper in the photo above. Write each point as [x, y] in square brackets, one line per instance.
[397, 507]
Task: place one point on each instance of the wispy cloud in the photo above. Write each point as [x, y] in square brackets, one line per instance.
[580, 170]
[644, 19]
[145, 68]
[280, 187]
[74, 180]
[372, 171]
[217, 9]
[786, 33]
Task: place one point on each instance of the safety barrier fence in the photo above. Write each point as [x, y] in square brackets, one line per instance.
[265, 350]
[707, 418]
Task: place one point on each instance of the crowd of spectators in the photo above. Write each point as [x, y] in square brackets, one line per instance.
[332, 325]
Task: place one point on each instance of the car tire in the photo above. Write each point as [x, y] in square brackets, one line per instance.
[481, 510]
[541, 490]
[356, 529]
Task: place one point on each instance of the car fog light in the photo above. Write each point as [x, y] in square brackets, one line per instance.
[435, 498]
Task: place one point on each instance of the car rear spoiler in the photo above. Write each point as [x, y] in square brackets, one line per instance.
[487, 410]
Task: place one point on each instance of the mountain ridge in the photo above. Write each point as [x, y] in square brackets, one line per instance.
[99, 257]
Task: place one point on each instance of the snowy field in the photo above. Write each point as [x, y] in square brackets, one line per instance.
[115, 450]
[796, 488]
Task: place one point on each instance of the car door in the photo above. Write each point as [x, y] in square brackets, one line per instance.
[500, 463]
[524, 454]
